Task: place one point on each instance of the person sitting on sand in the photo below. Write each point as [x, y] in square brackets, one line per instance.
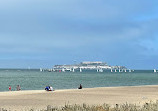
[80, 87]
[47, 88]
[50, 88]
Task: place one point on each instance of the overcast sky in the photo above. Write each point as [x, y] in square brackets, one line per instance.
[42, 33]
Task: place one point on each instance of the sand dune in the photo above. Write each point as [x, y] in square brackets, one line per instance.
[39, 99]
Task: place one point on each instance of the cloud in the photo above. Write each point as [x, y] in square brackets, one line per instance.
[91, 30]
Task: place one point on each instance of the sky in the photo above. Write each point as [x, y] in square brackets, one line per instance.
[43, 33]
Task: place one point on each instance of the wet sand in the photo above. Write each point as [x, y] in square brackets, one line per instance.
[40, 99]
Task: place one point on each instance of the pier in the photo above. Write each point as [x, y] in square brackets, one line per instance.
[98, 67]
[90, 66]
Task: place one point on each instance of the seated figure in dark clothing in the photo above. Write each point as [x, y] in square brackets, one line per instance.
[47, 88]
[80, 87]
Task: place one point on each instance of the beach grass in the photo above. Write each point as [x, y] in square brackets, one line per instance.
[151, 106]
[105, 107]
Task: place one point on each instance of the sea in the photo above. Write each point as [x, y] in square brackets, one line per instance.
[33, 79]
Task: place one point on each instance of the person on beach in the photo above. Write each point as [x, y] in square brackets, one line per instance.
[80, 87]
[49, 88]
[18, 88]
[10, 88]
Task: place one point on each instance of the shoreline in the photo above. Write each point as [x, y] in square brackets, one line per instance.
[40, 99]
[82, 89]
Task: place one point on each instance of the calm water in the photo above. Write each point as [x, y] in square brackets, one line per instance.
[36, 80]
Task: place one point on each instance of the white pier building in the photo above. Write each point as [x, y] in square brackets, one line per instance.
[88, 66]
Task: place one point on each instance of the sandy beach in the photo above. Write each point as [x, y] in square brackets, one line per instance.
[39, 99]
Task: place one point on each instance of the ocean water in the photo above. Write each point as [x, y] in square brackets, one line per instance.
[36, 80]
